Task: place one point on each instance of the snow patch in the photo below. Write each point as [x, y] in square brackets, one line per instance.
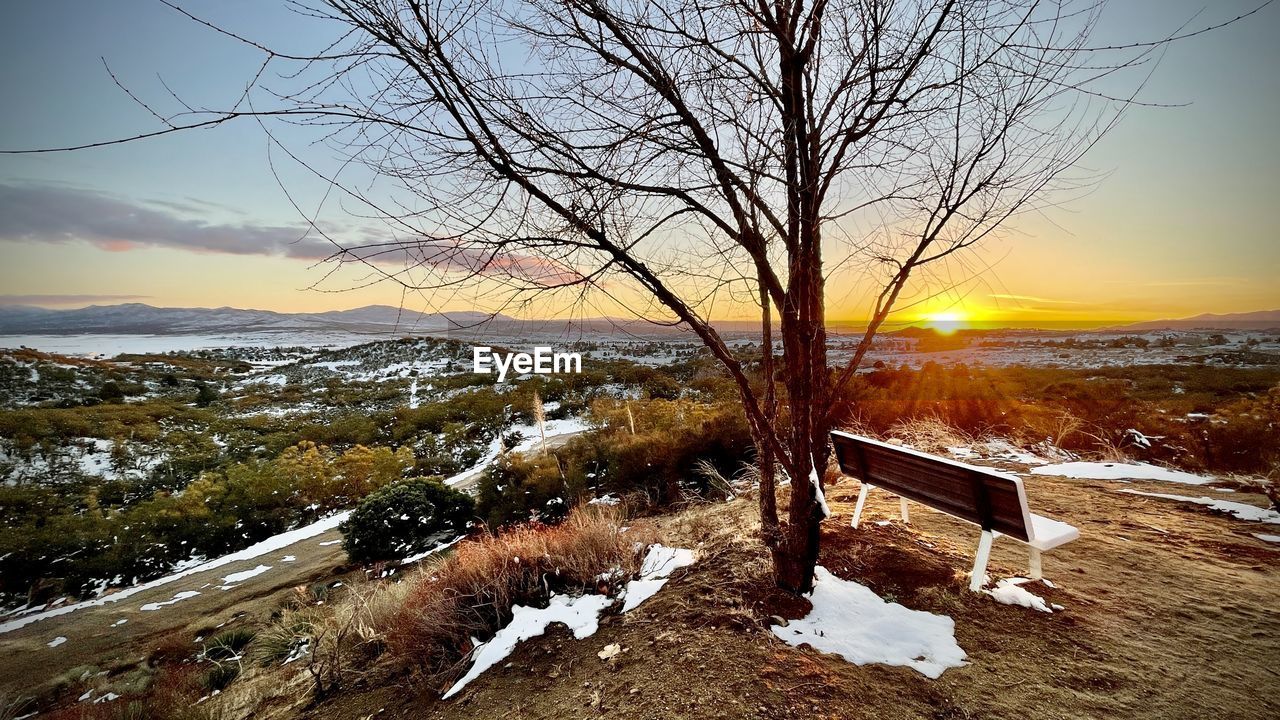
[427, 553]
[245, 574]
[177, 598]
[579, 614]
[656, 569]
[1010, 592]
[1083, 470]
[56, 641]
[818, 495]
[851, 621]
[1267, 538]
[1240, 510]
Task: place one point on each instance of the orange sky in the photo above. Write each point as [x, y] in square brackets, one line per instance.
[1181, 223]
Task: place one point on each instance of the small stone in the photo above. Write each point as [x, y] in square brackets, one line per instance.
[610, 651]
[635, 691]
[779, 620]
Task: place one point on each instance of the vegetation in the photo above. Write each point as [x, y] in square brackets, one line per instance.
[404, 518]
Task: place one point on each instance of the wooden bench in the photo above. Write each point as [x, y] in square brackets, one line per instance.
[992, 500]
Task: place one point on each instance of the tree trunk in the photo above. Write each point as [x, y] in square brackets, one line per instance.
[804, 342]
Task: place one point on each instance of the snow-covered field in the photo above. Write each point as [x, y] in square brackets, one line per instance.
[108, 346]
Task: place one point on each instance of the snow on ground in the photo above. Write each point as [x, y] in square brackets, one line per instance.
[1010, 591]
[426, 553]
[1240, 510]
[271, 544]
[1005, 450]
[177, 598]
[104, 346]
[851, 621]
[245, 574]
[656, 569]
[580, 614]
[56, 641]
[1120, 471]
[1267, 538]
[531, 437]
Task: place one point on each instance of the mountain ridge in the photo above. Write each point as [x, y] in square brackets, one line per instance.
[141, 318]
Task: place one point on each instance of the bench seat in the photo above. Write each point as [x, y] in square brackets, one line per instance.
[1047, 533]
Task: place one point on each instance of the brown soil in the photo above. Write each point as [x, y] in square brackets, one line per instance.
[1171, 611]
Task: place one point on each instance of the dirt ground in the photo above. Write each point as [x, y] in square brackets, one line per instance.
[1171, 611]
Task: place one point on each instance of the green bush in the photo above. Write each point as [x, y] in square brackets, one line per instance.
[518, 488]
[403, 518]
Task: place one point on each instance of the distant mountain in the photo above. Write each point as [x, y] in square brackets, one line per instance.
[137, 318]
[1259, 320]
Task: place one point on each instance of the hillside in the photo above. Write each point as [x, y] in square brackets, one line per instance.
[704, 646]
[1259, 320]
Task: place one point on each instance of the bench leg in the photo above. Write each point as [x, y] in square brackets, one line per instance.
[1036, 571]
[906, 515]
[979, 573]
[862, 500]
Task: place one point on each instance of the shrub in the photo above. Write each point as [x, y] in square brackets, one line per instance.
[670, 437]
[470, 592]
[228, 644]
[518, 488]
[403, 518]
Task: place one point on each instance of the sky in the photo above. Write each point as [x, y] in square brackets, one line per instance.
[1181, 224]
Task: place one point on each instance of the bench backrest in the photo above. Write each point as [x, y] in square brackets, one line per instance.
[988, 498]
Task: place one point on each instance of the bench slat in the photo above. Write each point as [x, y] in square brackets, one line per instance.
[989, 499]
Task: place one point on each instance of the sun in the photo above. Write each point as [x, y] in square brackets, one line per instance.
[946, 323]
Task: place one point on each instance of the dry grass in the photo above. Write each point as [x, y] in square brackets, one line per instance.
[932, 434]
[470, 593]
[372, 631]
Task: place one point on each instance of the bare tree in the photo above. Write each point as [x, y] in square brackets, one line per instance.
[693, 151]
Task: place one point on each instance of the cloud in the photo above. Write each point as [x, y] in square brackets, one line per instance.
[54, 214]
[1032, 298]
[58, 214]
[66, 299]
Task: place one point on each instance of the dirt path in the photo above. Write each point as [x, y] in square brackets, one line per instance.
[96, 638]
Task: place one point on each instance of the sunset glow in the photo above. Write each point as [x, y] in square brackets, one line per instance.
[946, 323]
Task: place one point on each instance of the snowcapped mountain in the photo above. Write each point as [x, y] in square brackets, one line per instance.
[131, 318]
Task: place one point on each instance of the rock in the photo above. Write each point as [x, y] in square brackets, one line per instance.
[610, 651]
[779, 620]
